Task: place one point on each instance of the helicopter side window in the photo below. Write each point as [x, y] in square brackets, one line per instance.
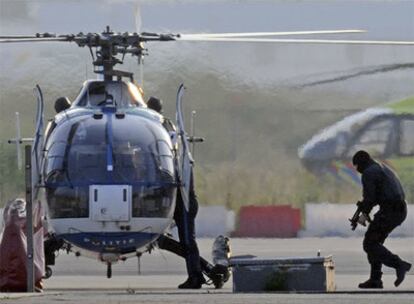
[120, 94]
[95, 95]
[164, 157]
[406, 137]
[375, 138]
[55, 156]
[49, 129]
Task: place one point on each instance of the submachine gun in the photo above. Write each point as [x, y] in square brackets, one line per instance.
[359, 217]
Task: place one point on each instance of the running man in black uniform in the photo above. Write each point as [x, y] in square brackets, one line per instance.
[382, 187]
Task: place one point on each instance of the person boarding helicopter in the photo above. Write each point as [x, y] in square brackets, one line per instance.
[185, 221]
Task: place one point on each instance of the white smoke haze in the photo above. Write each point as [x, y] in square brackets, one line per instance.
[248, 108]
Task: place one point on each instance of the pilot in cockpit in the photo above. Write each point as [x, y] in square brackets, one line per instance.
[108, 101]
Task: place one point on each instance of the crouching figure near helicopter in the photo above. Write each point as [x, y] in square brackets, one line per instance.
[185, 221]
[380, 186]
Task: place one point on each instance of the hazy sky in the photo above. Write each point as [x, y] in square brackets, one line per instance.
[238, 65]
[262, 64]
[384, 19]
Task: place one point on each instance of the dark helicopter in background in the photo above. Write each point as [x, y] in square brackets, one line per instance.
[105, 166]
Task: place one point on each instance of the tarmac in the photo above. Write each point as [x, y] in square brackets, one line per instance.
[82, 280]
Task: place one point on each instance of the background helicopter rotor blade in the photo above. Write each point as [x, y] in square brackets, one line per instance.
[359, 73]
[263, 34]
[297, 41]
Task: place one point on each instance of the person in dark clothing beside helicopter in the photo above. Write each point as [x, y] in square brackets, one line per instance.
[382, 187]
[185, 221]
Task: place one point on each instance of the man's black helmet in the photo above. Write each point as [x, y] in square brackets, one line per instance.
[61, 104]
[155, 104]
[361, 160]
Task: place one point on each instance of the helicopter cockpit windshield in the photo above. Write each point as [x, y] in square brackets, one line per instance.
[118, 93]
[79, 157]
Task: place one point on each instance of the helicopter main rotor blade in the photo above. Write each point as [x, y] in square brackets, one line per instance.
[13, 40]
[117, 38]
[262, 34]
[138, 18]
[297, 41]
[18, 37]
[37, 35]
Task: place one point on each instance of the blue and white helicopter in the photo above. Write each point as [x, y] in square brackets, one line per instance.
[105, 167]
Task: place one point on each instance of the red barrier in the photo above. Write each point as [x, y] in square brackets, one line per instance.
[268, 221]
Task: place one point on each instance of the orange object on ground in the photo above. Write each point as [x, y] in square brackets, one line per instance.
[13, 247]
[268, 221]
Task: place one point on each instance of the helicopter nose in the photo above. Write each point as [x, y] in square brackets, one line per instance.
[306, 152]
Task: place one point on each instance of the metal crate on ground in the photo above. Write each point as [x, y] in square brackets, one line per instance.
[253, 274]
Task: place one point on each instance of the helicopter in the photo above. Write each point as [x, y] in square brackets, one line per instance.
[105, 167]
[384, 131]
[108, 148]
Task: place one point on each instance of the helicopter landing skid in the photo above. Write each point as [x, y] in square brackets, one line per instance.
[109, 270]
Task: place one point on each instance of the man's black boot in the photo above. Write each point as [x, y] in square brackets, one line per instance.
[193, 282]
[371, 283]
[401, 270]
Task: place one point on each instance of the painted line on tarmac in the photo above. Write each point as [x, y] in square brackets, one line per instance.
[143, 291]
[163, 291]
[19, 295]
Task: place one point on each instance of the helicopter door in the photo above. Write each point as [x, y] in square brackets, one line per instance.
[110, 202]
[185, 159]
[37, 141]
